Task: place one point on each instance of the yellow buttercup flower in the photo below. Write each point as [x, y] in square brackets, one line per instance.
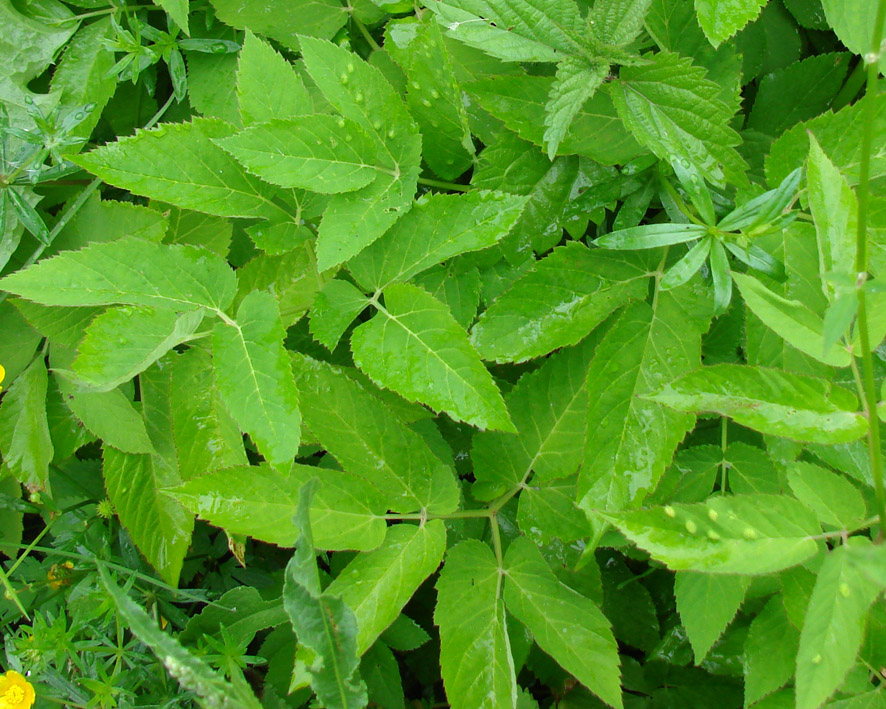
[2, 375]
[15, 691]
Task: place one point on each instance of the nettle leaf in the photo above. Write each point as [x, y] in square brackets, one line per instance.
[741, 534]
[368, 439]
[834, 626]
[267, 85]
[520, 102]
[24, 430]
[475, 652]
[415, 347]
[707, 603]
[316, 18]
[720, 19]
[326, 154]
[129, 271]
[617, 22]
[260, 502]
[673, 109]
[769, 650]
[558, 302]
[438, 227]
[549, 409]
[360, 93]
[178, 163]
[576, 81]
[124, 341]
[630, 440]
[254, 376]
[432, 94]
[377, 585]
[769, 401]
[565, 624]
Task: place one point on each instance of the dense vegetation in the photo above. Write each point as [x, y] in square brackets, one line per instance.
[483, 353]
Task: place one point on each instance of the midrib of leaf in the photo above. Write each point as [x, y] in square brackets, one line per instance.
[567, 33]
[331, 631]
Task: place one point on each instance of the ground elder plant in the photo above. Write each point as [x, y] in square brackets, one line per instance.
[501, 354]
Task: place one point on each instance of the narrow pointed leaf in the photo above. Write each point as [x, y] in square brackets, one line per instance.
[652, 236]
[577, 80]
[687, 266]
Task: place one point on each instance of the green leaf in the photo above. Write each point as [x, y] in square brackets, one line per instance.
[124, 341]
[325, 626]
[178, 11]
[438, 227]
[255, 378]
[326, 154]
[673, 110]
[749, 470]
[770, 651]
[178, 277]
[834, 626]
[206, 437]
[260, 502]
[854, 26]
[652, 236]
[475, 652]
[687, 266]
[360, 93]
[377, 585]
[433, 94]
[456, 284]
[267, 85]
[316, 18]
[617, 22]
[742, 534]
[178, 163]
[631, 440]
[381, 671]
[721, 19]
[192, 673]
[558, 302]
[707, 603]
[160, 527]
[334, 308]
[513, 30]
[371, 442]
[415, 347]
[576, 81]
[239, 614]
[835, 500]
[549, 409]
[24, 429]
[520, 102]
[769, 401]
[548, 509]
[565, 624]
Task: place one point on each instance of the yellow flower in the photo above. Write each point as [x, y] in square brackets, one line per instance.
[2, 375]
[58, 575]
[15, 691]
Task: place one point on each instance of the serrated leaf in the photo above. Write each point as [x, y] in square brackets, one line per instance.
[456, 287]
[179, 277]
[415, 347]
[239, 614]
[834, 626]
[631, 441]
[325, 154]
[124, 341]
[721, 19]
[475, 652]
[192, 673]
[316, 18]
[370, 441]
[178, 163]
[24, 429]
[438, 227]
[260, 502]
[360, 93]
[565, 624]
[549, 409]
[769, 651]
[741, 534]
[769, 401]
[791, 319]
[749, 470]
[334, 308]
[835, 500]
[267, 85]
[432, 94]
[557, 303]
[576, 81]
[178, 11]
[596, 131]
[255, 378]
[404, 634]
[548, 509]
[707, 603]
[854, 25]
[377, 585]
[617, 22]
[160, 528]
[673, 110]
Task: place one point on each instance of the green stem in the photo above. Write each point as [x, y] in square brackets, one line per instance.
[453, 186]
[851, 87]
[496, 546]
[861, 266]
[724, 442]
[365, 32]
[460, 514]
